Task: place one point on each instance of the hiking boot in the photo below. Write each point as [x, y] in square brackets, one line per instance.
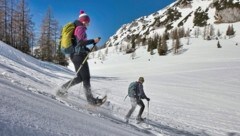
[126, 119]
[62, 92]
[139, 119]
[97, 101]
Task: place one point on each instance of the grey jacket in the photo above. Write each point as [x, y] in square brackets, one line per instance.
[140, 91]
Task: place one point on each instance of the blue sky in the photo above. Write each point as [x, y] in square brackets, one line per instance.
[107, 16]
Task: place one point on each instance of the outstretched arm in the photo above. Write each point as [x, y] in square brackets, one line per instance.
[142, 93]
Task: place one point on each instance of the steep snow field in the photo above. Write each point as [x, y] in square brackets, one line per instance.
[193, 93]
[196, 91]
[28, 106]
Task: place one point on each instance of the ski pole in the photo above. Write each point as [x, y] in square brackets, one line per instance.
[148, 112]
[85, 59]
[125, 97]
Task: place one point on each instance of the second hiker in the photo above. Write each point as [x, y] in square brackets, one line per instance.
[136, 94]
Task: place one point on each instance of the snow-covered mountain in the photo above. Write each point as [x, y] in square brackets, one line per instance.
[189, 14]
[193, 93]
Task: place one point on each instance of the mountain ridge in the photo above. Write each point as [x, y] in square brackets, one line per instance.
[190, 14]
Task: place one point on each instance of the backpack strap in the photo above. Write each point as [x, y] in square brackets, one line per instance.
[125, 97]
[77, 23]
[74, 39]
[137, 86]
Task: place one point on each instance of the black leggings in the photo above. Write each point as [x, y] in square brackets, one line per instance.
[82, 76]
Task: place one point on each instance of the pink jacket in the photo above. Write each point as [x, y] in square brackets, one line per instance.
[80, 33]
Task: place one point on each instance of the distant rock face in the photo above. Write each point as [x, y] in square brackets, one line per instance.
[228, 15]
[227, 11]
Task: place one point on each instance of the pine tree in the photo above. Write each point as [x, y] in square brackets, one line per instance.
[176, 46]
[218, 33]
[187, 33]
[230, 31]
[181, 32]
[155, 42]
[133, 55]
[218, 45]
[59, 57]
[15, 24]
[149, 44]
[205, 32]
[212, 31]
[47, 40]
[162, 47]
[133, 42]
[12, 27]
[106, 51]
[55, 35]
[174, 33]
[3, 20]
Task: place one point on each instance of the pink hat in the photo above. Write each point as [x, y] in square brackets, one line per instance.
[83, 17]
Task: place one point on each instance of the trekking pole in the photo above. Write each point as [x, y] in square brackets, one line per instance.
[148, 112]
[85, 59]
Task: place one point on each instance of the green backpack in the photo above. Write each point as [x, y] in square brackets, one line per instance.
[67, 38]
[132, 89]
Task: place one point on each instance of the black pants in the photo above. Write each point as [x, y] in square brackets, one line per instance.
[134, 103]
[82, 76]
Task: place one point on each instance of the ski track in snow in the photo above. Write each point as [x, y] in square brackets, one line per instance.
[16, 115]
[195, 93]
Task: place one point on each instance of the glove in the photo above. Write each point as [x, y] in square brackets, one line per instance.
[87, 49]
[148, 99]
[96, 40]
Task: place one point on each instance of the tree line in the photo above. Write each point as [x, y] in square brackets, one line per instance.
[17, 30]
[16, 25]
[159, 42]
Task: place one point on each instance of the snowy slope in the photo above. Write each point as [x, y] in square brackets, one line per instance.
[193, 93]
[28, 105]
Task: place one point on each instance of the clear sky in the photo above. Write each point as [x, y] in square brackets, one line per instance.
[107, 16]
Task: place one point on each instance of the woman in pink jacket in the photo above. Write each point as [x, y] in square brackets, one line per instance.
[80, 53]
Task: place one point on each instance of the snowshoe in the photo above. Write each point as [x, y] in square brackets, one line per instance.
[126, 120]
[99, 102]
[140, 120]
[62, 93]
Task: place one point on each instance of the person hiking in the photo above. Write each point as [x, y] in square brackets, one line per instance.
[136, 94]
[80, 53]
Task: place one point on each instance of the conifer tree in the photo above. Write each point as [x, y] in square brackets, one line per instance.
[16, 24]
[176, 45]
[133, 42]
[3, 20]
[218, 45]
[149, 44]
[230, 31]
[162, 47]
[47, 40]
[24, 25]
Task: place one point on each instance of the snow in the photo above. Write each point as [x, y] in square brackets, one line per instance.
[195, 92]
[28, 105]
